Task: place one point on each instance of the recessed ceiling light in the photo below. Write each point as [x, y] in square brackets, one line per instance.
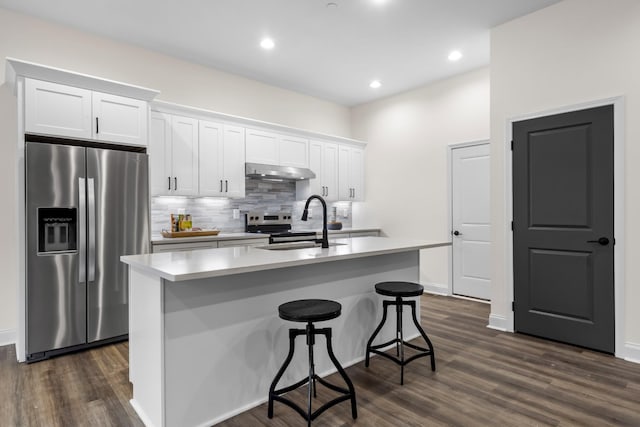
[332, 5]
[455, 55]
[375, 84]
[267, 43]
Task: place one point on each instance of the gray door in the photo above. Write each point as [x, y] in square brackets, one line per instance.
[55, 259]
[563, 227]
[117, 222]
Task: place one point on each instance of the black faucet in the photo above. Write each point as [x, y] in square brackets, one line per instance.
[325, 239]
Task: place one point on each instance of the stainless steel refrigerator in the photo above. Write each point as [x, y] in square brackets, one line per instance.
[85, 207]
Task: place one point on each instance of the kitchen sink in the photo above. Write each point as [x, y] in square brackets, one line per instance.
[289, 246]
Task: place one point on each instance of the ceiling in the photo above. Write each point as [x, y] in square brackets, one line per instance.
[330, 52]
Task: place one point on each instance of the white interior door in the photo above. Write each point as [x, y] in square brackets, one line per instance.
[470, 221]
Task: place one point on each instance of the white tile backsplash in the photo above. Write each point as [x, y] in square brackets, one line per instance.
[209, 212]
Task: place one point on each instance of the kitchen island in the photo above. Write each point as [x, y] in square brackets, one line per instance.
[205, 339]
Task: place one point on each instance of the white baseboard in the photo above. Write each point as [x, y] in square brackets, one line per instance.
[141, 414]
[497, 322]
[7, 337]
[436, 288]
[632, 352]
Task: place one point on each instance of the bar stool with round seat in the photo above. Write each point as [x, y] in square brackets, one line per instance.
[400, 290]
[311, 311]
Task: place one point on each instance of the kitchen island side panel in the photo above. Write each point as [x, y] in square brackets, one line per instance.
[146, 350]
[224, 341]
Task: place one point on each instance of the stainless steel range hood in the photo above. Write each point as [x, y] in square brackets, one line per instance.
[258, 170]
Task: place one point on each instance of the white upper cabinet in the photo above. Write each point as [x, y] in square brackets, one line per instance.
[221, 160]
[54, 109]
[357, 174]
[184, 155]
[173, 155]
[276, 149]
[323, 161]
[211, 159]
[262, 147]
[234, 157]
[350, 173]
[119, 119]
[159, 151]
[67, 111]
[330, 171]
[294, 151]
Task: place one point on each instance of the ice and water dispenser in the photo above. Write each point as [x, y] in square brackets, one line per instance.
[57, 230]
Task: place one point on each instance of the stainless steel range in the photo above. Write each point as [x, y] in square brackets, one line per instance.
[278, 225]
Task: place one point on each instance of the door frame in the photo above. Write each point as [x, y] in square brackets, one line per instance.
[450, 148]
[507, 322]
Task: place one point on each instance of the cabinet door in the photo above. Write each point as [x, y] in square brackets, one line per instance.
[262, 147]
[179, 247]
[119, 119]
[55, 109]
[356, 179]
[184, 155]
[330, 171]
[234, 154]
[351, 173]
[344, 172]
[307, 187]
[211, 158]
[159, 151]
[242, 243]
[364, 234]
[294, 151]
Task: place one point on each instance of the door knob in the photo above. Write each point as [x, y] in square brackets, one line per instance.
[602, 241]
[457, 233]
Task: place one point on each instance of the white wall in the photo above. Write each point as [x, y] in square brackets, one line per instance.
[181, 82]
[406, 160]
[573, 52]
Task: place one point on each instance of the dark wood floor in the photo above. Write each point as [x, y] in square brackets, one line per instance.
[483, 378]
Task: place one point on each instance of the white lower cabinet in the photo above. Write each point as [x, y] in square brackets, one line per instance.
[242, 242]
[66, 111]
[364, 234]
[221, 160]
[188, 246]
[177, 247]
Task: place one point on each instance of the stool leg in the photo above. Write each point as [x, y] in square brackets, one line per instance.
[312, 370]
[352, 392]
[398, 322]
[400, 337]
[424, 335]
[272, 388]
[373, 336]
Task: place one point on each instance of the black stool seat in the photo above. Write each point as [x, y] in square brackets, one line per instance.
[310, 310]
[399, 289]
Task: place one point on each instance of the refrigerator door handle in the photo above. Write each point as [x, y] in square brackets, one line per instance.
[82, 230]
[92, 229]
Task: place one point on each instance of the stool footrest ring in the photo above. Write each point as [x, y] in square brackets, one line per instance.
[399, 339]
[347, 393]
[310, 417]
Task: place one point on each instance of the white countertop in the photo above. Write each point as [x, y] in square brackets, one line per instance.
[203, 263]
[159, 240]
